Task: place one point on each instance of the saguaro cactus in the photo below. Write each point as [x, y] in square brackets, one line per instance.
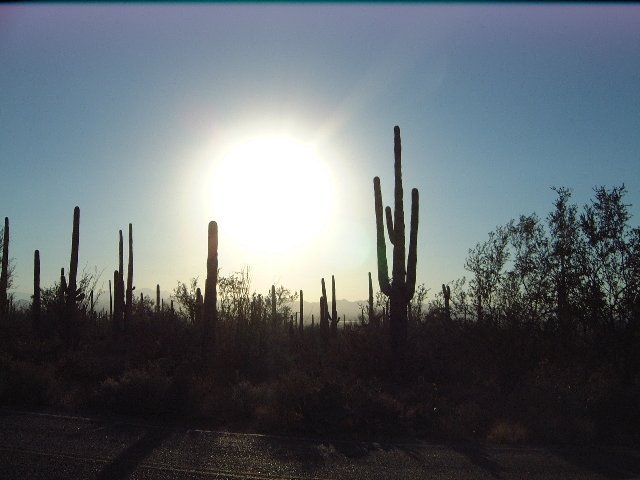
[324, 313]
[199, 306]
[401, 287]
[334, 312]
[36, 304]
[301, 312]
[73, 295]
[119, 303]
[4, 275]
[158, 298]
[446, 292]
[372, 316]
[211, 284]
[130, 287]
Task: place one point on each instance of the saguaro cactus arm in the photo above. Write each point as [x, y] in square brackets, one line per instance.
[412, 259]
[383, 268]
[390, 230]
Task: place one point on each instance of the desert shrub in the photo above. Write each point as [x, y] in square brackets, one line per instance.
[137, 391]
[24, 383]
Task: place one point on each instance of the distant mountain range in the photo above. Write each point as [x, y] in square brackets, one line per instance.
[347, 308]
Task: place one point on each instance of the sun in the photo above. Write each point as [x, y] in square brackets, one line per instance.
[272, 194]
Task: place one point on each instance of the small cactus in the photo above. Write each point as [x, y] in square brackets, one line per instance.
[371, 312]
[199, 307]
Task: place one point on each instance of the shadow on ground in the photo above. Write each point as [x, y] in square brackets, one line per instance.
[132, 456]
[616, 463]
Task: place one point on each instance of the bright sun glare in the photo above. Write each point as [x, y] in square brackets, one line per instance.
[272, 194]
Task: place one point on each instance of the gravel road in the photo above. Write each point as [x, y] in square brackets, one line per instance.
[48, 446]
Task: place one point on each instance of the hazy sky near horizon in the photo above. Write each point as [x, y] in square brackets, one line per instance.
[131, 111]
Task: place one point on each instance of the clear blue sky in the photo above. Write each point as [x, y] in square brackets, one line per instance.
[126, 111]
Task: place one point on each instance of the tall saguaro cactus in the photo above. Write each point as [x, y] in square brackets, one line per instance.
[4, 275]
[211, 284]
[36, 304]
[334, 312]
[301, 312]
[324, 313]
[73, 294]
[401, 287]
[118, 288]
[130, 287]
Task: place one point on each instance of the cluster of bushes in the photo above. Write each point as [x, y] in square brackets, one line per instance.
[460, 381]
[541, 345]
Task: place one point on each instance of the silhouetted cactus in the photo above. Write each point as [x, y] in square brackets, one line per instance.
[301, 312]
[158, 298]
[324, 313]
[110, 302]
[130, 287]
[116, 318]
[199, 313]
[334, 312]
[73, 294]
[371, 312]
[63, 288]
[211, 285]
[36, 304]
[4, 275]
[401, 287]
[446, 292]
[119, 292]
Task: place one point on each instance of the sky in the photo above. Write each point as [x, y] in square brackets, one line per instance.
[273, 119]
